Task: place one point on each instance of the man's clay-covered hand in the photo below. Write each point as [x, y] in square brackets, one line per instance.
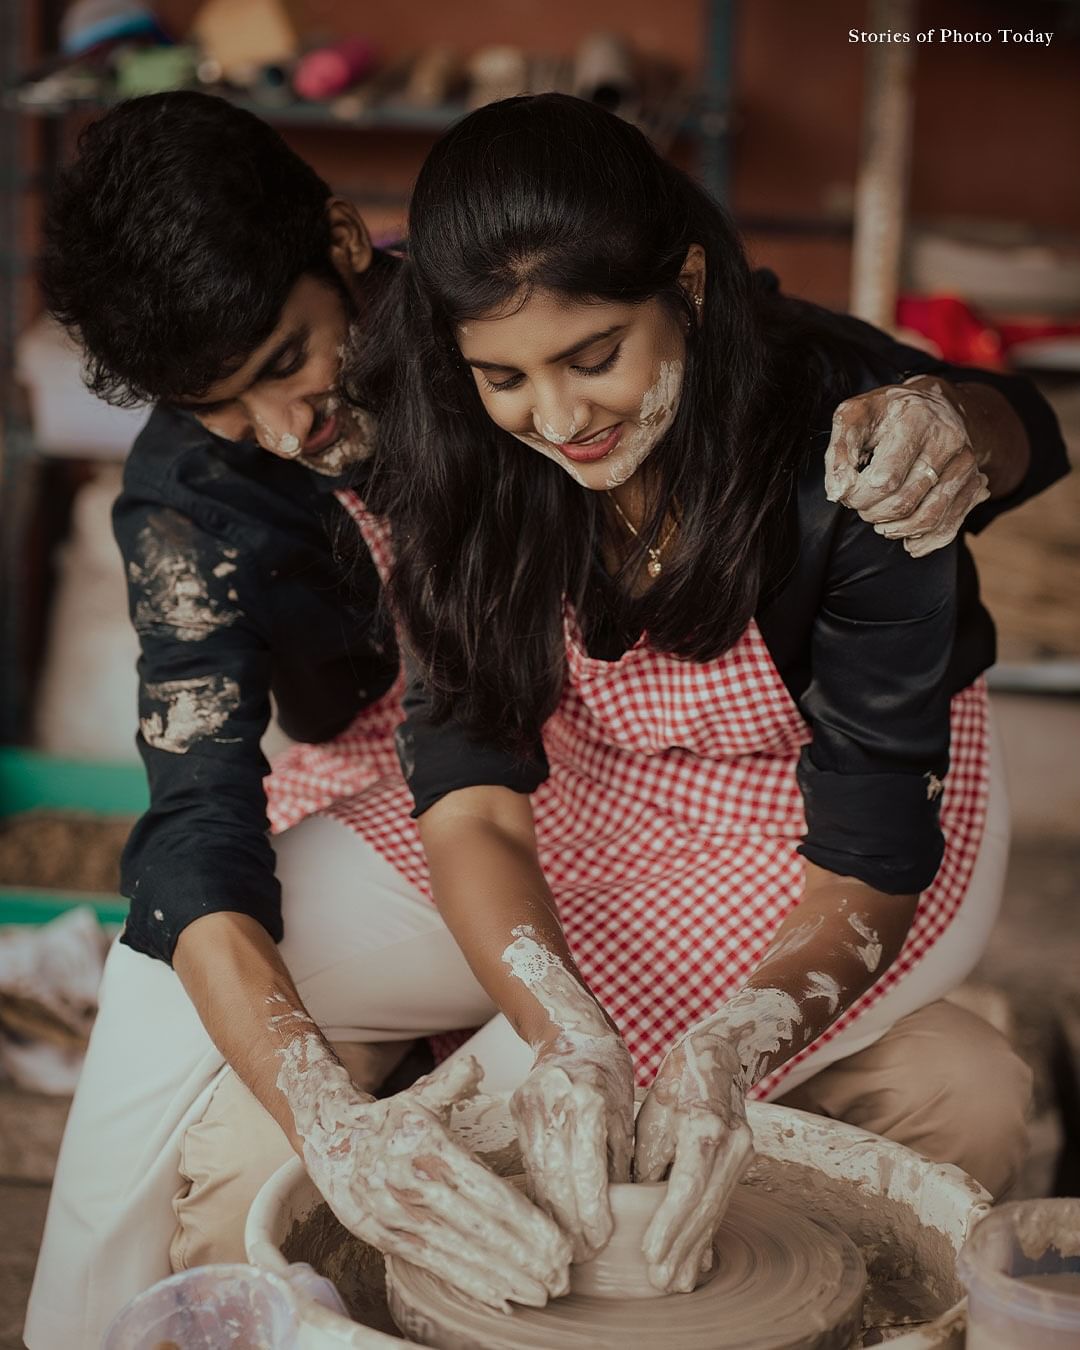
[693, 1120]
[393, 1175]
[901, 456]
[575, 1119]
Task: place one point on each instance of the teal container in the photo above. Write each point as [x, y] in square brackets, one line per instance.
[31, 781]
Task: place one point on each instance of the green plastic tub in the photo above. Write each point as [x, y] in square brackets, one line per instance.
[33, 781]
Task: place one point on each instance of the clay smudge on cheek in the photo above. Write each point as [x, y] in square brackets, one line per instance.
[655, 417]
[172, 574]
[193, 710]
[355, 442]
[870, 951]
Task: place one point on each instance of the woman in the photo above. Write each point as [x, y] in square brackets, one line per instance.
[732, 702]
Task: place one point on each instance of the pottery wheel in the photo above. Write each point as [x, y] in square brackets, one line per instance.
[781, 1281]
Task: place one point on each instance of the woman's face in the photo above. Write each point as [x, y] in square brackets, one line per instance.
[593, 387]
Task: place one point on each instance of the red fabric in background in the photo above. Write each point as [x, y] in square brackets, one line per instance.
[962, 335]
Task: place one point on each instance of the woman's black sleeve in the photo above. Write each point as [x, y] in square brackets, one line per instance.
[878, 707]
[439, 758]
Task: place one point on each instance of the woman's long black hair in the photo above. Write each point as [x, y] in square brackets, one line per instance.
[552, 193]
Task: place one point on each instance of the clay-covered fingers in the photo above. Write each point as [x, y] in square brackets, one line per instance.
[545, 1149]
[492, 1282]
[563, 1136]
[710, 1157]
[589, 1147]
[937, 503]
[450, 1215]
[620, 1142]
[654, 1138]
[931, 467]
[919, 544]
[499, 1274]
[453, 1082]
[531, 1230]
[852, 426]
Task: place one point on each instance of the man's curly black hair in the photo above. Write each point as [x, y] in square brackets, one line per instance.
[173, 240]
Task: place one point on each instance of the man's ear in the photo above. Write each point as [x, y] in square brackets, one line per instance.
[350, 243]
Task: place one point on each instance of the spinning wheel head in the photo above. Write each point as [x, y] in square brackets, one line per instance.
[781, 1281]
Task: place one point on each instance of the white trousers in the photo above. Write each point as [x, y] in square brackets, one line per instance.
[373, 961]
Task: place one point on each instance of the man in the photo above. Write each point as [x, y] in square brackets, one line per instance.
[209, 271]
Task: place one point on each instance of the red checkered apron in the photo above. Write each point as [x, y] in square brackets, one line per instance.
[667, 828]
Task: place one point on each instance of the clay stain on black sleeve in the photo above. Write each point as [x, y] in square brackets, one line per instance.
[178, 580]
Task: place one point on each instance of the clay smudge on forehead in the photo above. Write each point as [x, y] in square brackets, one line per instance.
[172, 577]
[192, 711]
[870, 951]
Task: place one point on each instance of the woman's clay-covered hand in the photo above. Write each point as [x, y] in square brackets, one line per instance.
[902, 457]
[693, 1120]
[575, 1120]
[393, 1175]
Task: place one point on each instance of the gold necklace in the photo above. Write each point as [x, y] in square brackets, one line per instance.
[654, 566]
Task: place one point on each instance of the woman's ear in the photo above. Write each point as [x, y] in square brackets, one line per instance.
[692, 278]
[350, 243]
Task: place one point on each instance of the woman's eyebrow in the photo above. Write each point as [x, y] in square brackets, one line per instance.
[552, 360]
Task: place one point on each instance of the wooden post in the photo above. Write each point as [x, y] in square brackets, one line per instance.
[882, 184]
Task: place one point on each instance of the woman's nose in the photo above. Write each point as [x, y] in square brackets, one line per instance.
[560, 420]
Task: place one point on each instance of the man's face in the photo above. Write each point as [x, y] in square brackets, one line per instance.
[285, 395]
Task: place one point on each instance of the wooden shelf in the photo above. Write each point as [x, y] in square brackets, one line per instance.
[389, 116]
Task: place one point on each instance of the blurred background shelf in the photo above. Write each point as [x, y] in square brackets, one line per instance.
[767, 115]
[367, 143]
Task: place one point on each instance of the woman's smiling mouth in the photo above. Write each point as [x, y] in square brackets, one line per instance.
[596, 447]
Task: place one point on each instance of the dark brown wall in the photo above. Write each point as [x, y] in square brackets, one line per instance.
[997, 129]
